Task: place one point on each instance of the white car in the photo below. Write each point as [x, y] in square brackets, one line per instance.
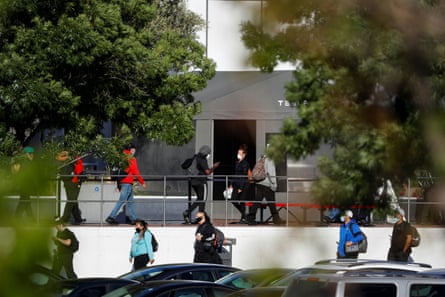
[367, 284]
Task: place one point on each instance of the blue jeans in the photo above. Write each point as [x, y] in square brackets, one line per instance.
[125, 196]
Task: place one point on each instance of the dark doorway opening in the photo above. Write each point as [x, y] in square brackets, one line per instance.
[228, 136]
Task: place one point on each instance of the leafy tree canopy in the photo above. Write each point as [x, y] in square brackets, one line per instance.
[77, 64]
[369, 83]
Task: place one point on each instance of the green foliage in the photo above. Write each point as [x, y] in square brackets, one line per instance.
[368, 81]
[130, 62]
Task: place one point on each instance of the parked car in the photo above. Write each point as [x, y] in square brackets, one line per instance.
[174, 288]
[366, 284]
[86, 287]
[186, 271]
[250, 278]
[259, 292]
[335, 266]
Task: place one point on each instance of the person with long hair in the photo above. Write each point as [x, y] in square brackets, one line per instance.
[205, 235]
[141, 252]
[240, 184]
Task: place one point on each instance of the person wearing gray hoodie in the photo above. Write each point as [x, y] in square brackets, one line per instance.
[199, 184]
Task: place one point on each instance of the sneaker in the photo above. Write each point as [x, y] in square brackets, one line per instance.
[111, 221]
[185, 214]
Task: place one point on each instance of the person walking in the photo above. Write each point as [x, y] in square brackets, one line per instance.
[66, 244]
[141, 252]
[205, 235]
[401, 238]
[266, 189]
[240, 184]
[350, 233]
[25, 173]
[199, 184]
[125, 187]
[71, 173]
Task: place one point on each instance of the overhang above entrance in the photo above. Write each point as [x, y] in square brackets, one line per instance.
[246, 95]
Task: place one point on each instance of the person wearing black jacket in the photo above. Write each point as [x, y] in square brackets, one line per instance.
[205, 235]
[402, 235]
[241, 183]
[65, 241]
[199, 184]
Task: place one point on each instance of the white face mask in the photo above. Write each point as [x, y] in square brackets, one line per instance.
[342, 218]
[239, 156]
[208, 157]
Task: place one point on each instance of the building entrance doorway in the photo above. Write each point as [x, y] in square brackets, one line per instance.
[228, 136]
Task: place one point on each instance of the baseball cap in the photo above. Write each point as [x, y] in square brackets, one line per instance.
[349, 213]
[28, 150]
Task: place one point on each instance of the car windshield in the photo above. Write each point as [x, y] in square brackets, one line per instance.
[250, 279]
[287, 279]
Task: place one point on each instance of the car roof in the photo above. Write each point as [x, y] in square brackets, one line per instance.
[178, 266]
[353, 264]
[91, 280]
[341, 266]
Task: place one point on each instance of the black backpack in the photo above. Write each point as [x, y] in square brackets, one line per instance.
[415, 241]
[117, 173]
[220, 239]
[154, 242]
[190, 165]
[74, 242]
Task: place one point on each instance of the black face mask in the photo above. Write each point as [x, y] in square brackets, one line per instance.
[197, 220]
[138, 230]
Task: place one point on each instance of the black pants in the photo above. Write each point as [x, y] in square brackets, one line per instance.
[201, 193]
[64, 260]
[260, 193]
[24, 206]
[239, 201]
[71, 206]
[140, 261]
[398, 256]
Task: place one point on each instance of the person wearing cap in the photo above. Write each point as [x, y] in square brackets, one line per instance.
[25, 182]
[350, 233]
[402, 235]
[125, 187]
[63, 256]
[199, 185]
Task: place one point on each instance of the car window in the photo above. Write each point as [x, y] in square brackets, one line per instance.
[189, 292]
[202, 275]
[306, 288]
[427, 290]
[370, 290]
[92, 292]
[222, 272]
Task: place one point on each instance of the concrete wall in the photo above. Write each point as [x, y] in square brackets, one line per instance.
[104, 251]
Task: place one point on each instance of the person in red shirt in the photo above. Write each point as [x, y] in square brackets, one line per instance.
[125, 186]
[70, 174]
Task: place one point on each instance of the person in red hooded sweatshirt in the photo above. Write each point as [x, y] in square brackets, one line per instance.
[71, 173]
[125, 186]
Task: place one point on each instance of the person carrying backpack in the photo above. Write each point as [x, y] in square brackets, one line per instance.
[66, 245]
[402, 235]
[350, 234]
[265, 187]
[205, 235]
[199, 184]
